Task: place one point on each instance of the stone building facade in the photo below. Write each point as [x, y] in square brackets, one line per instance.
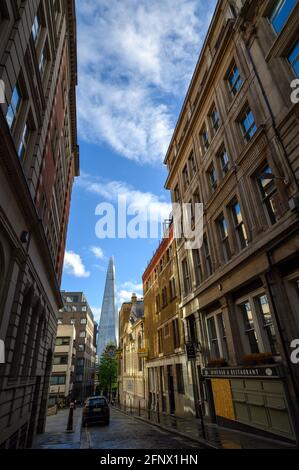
[235, 149]
[38, 162]
[77, 312]
[131, 353]
[169, 377]
[63, 370]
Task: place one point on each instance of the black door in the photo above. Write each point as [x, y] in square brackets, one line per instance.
[171, 390]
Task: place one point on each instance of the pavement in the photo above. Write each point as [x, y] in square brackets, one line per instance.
[56, 436]
[213, 436]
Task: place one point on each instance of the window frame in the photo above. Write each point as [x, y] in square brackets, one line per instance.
[224, 238]
[247, 132]
[234, 85]
[239, 225]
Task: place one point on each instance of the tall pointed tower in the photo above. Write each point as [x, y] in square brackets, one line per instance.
[107, 332]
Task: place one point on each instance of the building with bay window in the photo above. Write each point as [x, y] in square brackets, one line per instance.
[235, 149]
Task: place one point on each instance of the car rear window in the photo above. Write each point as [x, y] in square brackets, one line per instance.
[95, 402]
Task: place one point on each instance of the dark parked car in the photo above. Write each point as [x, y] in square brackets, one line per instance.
[96, 410]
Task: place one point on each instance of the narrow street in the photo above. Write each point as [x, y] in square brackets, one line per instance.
[125, 432]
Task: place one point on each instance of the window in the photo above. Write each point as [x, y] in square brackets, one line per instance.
[82, 334]
[294, 58]
[248, 125]
[59, 321]
[80, 362]
[192, 332]
[84, 309]
[213, 338]
[83, 321]
[185, 177]
[213, 177]
[222, 334]
[269, 194]
[74, 308]
[205, 139]
[192, 165]
[215, 120]
[180, 379]
[73, 321]
[177, 194]
[58, 380]
[81, 347]
[62, 341]
[164, 297]
[224, 161]
[14, 106]
[60, 360]
[42, 64]
[186, 277]
[223, 227]
[176, 334]
[197, 267]
[172, 288]
[160, 342]
[281, 13]
[158, 303]
[166, 331]
[234, 80]
[249, 328]
[36, 28]
[239, 226]
[24, 141]
[265, 312]
[207, 255]
[79, 378]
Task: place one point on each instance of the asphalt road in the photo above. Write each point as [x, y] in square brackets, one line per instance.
[125, 432]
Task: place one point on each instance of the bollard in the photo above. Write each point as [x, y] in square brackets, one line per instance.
[203, 429]
[158, 412]
[70, 418]
[139, 409]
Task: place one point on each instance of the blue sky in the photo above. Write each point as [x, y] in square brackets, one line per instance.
[136, 59]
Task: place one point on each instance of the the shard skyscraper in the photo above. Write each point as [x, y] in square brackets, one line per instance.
[107, 331]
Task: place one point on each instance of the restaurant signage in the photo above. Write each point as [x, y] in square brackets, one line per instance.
[269, 372]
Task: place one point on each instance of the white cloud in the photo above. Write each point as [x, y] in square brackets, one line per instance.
[136, 58]
[97, 252]
[125, 291]
[138, 201]
[97, 313]
[74, 266]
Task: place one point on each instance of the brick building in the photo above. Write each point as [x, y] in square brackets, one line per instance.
[38, 162]
[235, 148]
[168, 377]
